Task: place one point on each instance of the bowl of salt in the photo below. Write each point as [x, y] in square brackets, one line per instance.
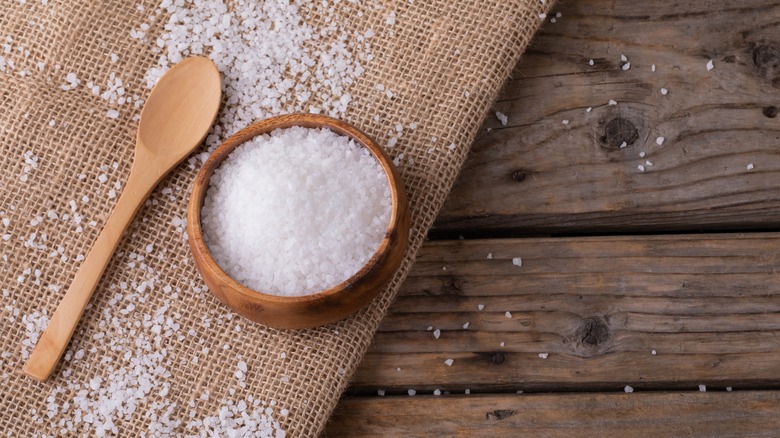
[298, 221]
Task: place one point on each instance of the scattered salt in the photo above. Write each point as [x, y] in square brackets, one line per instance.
[703, 388]
[411, 392]
[437, 333]
[628, 389]
[502, 118]
[449, 362]
[544, 355]
[659, 141]
[653, 352]
[480, 306]
[612, 102]
[710, 65]
[750, 166]
[664, 91]
[565, 122]
[517, 261]
[508, 314]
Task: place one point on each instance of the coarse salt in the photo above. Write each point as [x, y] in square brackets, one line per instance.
[296, 212]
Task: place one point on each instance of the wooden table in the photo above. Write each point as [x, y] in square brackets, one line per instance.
[645, 263]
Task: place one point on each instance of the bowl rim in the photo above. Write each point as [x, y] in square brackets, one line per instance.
[264, 127]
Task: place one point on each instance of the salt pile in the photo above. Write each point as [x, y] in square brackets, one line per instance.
[271, 60]
[296, 212]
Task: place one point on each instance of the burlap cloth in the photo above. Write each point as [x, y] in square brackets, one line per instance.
[445, 60]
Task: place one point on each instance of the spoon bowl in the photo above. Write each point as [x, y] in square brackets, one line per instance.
[322, 307]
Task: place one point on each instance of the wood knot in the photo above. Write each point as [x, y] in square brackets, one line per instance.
[499, 414]
[518, 175]
[619, 131]
[593, 332]
[496, 358]
[766, 57]
[770, 111]
[449, 286]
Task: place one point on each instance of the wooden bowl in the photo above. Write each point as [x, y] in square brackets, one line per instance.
[322, 307]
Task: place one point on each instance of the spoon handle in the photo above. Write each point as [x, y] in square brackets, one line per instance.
[55, 338]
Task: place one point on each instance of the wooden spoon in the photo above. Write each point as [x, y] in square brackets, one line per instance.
[176, 117]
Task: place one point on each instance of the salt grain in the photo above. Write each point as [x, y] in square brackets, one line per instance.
[612, 102]
[296, 212]
[750, 166]
[449, 362]
[502, 118]
[659, 141]
[703, 388]
[517, 261]
[710, 65]
[508, 314]
[664, 91]
[544, 355]
[628, 389]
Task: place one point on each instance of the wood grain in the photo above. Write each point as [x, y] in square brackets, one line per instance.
[539, 175]
[722, 414]
[707, 304]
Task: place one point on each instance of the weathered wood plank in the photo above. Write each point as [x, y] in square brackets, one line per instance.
[722, 414]
[538, 174]
[709, 305]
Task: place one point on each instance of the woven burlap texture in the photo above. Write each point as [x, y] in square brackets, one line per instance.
[445, 60]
